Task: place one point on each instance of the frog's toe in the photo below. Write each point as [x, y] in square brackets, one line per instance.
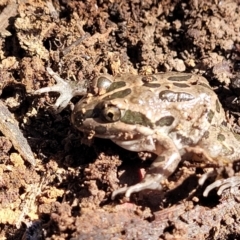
[223, 184]
[118, 191]
[66, 90]
[62, 101]
[46, 90]
[206, 176]
[146, 184]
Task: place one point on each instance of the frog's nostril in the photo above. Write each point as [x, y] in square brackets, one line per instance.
[77, 119]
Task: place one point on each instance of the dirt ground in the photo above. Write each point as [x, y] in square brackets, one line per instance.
[66, 195]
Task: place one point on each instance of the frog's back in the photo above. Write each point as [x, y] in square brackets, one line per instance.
[180, 104]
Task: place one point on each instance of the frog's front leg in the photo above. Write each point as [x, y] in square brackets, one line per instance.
[66, 89]
[162, 167]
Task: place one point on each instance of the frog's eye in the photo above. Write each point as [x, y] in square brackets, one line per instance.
[103, 83]
[111, 113]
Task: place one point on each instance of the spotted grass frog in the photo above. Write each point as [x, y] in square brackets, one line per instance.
[173, 115]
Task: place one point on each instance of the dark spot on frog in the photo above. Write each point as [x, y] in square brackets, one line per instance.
[131, 117]
[172, 96]
[165, 121]
[100, 130]
[210, 116]
[205, 85]
[184, 140]
[91, 113]
[120, 94]
[180, 78]
[224, 123]
[181, 85]
[206, 134]
[221, 137]
[237, 136]
[217, 106]
[147, 79]
[152, 85]
[116, 85]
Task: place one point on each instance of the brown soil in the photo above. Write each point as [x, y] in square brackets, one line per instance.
[66, 195]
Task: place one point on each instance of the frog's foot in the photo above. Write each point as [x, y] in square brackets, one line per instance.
[150, 182]
[66, 89]
[223, 184]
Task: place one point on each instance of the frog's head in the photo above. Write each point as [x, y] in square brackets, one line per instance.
[96, 116]
[112, 118]
[115, 110]
[106, 112]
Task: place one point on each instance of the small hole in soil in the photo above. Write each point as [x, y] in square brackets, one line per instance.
[169, 229]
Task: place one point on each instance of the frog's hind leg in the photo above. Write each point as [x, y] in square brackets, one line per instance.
[218, 147]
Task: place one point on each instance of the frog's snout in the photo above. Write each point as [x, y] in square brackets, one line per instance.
[77, 118]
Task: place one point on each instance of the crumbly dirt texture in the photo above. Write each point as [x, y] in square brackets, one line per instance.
[66, 195]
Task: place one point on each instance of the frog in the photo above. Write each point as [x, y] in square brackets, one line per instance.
[173, 115]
